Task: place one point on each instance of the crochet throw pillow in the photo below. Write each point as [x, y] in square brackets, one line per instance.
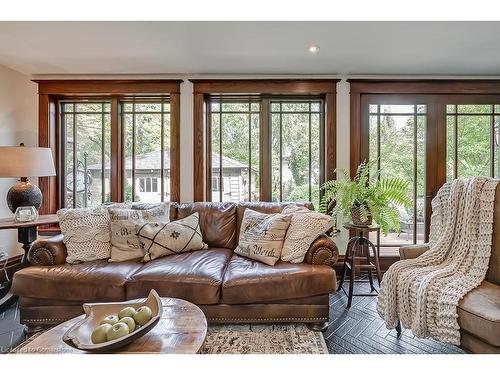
[305, 227]
[86, 233]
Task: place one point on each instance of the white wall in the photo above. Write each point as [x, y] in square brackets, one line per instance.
[18, 123]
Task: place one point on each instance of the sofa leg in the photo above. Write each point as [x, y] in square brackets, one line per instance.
[321, 327]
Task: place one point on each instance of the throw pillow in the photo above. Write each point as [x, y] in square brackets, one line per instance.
[86, 233]
[305, 227]
[262, 236]
[161, 239]
[124, 241]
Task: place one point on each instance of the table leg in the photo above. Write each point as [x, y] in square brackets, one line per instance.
[353, 273]
[344, 268]
[366, 247]
[25, 236]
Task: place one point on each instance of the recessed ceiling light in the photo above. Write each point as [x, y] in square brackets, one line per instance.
[314, 49]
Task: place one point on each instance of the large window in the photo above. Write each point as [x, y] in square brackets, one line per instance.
[234, 133]
[427, 132]
[263, 140]
[473, 140]
[147, 149]
[115, 141]
[86, 152]
[297, 138]
[397, 142]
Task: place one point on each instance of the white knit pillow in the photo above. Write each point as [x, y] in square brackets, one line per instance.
[262, 235]
[86, 233]
[124, 241]
[305, 227]
[162, 239]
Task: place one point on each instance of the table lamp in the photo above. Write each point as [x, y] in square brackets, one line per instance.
[25, 161]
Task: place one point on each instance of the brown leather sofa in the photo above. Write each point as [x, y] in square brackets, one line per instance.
[226, 286]
[479, 311]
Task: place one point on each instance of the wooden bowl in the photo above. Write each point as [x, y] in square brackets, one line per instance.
[78, 336]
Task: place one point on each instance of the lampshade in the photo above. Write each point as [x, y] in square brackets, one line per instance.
[21, 161]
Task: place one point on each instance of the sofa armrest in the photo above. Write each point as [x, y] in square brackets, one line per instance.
[48, 251]
[322, 251]
[412, 251]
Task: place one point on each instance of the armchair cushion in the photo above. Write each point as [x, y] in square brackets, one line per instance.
[479, 313]
[412, 251]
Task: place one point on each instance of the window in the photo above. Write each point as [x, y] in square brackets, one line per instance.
[473, 140]
[86, 135]
[148, 185]
[114, 141]
[263, 140]
[397, 142]
[234, 130]
[147, 148]
[427, 132]
[297, 128]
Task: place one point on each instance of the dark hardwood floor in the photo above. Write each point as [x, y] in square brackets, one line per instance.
[358, 330]
[11, 331]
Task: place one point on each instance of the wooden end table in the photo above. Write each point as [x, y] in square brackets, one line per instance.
[360, 247]
[26, 234]
[182, 330]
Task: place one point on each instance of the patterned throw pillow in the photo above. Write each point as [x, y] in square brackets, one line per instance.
[124, 241]
[86, 233]
[162, 239]
[262, 236]
[305, 227]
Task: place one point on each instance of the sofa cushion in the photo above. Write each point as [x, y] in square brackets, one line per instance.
[95, 281]
[265, 208]
[479, 313]
[194, 276]
[262, 236]
[250, 281]
[217, 222]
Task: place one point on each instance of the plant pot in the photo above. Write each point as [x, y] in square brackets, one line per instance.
[356, 218]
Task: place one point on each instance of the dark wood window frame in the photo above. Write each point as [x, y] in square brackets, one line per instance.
[436, 94]
[202, 88]
[50, 92]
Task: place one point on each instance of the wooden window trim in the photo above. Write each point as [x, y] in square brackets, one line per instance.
[51, 91]
[203, 87]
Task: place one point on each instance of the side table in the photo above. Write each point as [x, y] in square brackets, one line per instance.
[360, 247]
[26, 234]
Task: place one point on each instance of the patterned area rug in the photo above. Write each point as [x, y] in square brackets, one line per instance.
[254, 339]
[264, 339]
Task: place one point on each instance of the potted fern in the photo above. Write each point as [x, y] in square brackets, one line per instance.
[365, 198]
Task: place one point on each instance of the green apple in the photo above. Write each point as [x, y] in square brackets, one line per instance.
[110, 319]
[99, 335]
[127, 311]
[118, 330]
[130, 322]
[142, 315]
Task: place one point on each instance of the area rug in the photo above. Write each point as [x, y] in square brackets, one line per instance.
[253, 339]
[264, 339]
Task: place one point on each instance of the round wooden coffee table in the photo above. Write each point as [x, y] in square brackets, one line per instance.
[182, 330]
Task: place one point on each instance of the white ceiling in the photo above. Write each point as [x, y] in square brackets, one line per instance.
[451, 48]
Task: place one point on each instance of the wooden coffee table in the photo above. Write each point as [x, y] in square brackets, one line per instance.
[182, 330]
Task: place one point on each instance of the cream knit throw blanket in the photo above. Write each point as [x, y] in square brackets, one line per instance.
[423, 293]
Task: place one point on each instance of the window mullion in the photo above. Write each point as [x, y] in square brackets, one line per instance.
[265, 143]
